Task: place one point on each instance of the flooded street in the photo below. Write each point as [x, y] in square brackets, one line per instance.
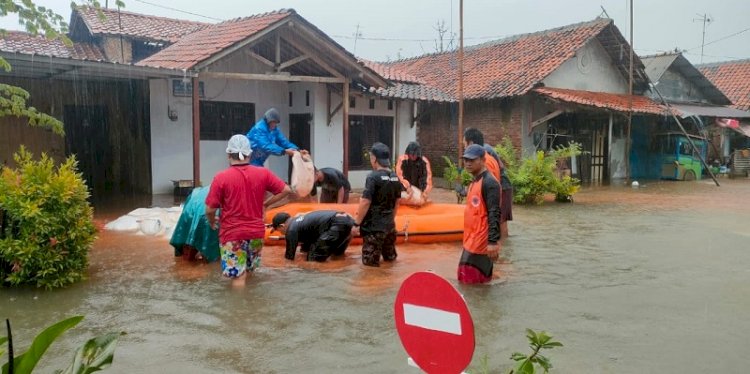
[648, 280]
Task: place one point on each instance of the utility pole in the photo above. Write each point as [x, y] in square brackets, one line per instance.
[706, 19]
[630, 100]
[460, 80]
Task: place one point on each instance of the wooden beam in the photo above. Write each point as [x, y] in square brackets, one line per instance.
[278, 49]
[345, 119]
[546, 118]
[225, 52]
[196, 133]
[272, 77]
[313, 57]
[260, 58]
[335, 110]
[291, 62]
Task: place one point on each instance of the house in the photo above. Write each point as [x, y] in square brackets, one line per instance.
[541, 89]
[733, 79]
[699, 103]
[240, 67]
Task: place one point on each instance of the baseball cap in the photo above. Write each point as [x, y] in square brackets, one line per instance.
[382, 153]
[279, 219]
[473, 152]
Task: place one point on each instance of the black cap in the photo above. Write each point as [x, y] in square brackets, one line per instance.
[473, 152]
[279, 219]
[382, 154]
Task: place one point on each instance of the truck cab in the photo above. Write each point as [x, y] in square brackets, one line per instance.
[678, 159]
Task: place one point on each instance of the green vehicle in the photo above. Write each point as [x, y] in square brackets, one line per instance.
[677, 158]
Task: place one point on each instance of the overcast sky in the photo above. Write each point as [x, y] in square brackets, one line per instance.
[390, 29]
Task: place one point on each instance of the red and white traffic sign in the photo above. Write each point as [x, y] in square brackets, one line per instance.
[434, 324]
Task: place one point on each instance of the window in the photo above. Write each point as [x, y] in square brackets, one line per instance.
[307, 98]
[220, 120]
[185, 89]
[363, 131]
[390, 104]
[352, 102]
[291, 103]
[372, 103]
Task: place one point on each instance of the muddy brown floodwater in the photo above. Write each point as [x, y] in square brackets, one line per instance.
[648, 280]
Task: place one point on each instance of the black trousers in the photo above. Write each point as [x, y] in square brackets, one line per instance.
[333, 241]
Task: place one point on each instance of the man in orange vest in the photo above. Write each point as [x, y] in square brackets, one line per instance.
[481, 220]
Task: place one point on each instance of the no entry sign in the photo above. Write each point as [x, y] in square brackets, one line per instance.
[434, 324]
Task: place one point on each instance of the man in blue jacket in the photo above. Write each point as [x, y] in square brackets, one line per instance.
[266, 139]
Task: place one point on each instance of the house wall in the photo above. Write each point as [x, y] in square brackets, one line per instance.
[675, 87]
[438, 129]
[172, 141]
[128, 137]
[591, 69]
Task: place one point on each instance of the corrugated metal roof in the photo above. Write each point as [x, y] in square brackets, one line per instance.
[657, 65]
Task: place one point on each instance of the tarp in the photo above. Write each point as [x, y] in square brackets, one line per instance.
[734, 125]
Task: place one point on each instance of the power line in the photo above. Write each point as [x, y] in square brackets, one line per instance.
[179, 10]
[720, 39]
[383, 39]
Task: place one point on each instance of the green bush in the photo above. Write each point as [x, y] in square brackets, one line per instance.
[458, 178]
[536, 176]
[47, 229]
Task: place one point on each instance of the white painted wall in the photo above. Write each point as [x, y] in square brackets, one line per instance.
[171, 142]
[591, 69]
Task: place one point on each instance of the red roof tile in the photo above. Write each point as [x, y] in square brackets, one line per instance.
[199, 46]
[616, 102]
[507, 67]
[391, 73]
[732, 78]
[136, 25]
[22, 42]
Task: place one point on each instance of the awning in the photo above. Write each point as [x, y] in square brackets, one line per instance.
[616, 102]
[710, 111]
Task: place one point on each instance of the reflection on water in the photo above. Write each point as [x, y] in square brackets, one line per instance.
[630, 280]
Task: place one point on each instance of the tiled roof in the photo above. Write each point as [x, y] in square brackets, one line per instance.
[507, 67]
[199, 46]
[412, 91]
[732, 78]
[391, 73]
[136, 25]
[616, 102]
[22, 42]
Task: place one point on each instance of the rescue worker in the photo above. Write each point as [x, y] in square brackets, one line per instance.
[334, 186]
[267, 139]
[414, 172]
[321, 233]
[481, 220]
[497, 167]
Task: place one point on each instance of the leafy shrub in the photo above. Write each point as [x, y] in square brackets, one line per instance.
[536, 176]
[47, 227]
[94, 355]
[458, 178]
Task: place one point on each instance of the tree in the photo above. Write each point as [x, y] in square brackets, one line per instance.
[445, 39]
[36, 20]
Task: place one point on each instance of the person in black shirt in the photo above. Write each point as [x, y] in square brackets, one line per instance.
[334, 187]
[376, 214]
[321, 233]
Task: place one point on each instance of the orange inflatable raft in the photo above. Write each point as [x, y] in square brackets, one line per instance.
[431, 223]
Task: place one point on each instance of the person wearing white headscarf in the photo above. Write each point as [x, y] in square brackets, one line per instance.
[239, 191]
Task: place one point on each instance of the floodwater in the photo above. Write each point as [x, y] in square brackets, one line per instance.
[648, 280]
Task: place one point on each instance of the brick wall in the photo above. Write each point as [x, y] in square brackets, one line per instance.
[437, 130]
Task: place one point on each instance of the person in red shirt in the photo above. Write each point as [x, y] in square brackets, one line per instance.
[481, 220]
[239, 192]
